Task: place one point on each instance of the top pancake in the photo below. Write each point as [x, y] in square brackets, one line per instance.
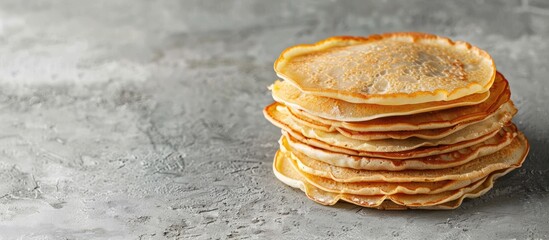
[388, 69]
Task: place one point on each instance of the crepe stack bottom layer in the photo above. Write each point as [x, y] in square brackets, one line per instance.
[412, 159]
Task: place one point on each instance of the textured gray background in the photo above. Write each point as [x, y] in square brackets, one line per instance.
[142, 119]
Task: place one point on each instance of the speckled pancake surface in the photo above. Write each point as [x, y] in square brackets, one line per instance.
[499, 94]
[511, 156]
[439, 161]
[388, 69]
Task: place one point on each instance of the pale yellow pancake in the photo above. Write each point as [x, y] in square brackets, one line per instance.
[499, 94]
[388, 69]
[280, 117]
[443, 200]
[440, 161]
[511, 156]
[339, 110]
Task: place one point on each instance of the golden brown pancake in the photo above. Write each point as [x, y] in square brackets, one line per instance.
[440, 161]
[510, 156]
[388, 69]
[280, 117]
[443, 200]
[379, 188]
[502, 116]
[339, 110]
[304, 107]
[499, 94]
[414, 153]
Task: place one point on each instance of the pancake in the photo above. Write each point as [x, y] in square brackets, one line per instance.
[339, 110]
[439, 161]
[280, 117]
[378, 188]
[388, 69]
[479, 191]
[507, 107]
[502, 116]
[499, 94]
[414, 153]
[511, 156]
[444, 200]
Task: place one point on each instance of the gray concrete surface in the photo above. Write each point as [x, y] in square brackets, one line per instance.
[142, 119]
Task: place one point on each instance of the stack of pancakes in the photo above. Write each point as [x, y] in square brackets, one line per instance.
[393, 121]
